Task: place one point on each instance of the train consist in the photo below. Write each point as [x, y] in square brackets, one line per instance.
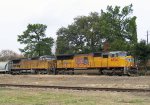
[116, 62]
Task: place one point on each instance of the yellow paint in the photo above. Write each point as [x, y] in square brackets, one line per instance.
[78, 61]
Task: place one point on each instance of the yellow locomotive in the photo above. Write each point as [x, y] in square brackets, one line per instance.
[115, 62]
[37, 65]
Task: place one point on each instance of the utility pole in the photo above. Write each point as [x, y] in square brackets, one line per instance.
[147, 36]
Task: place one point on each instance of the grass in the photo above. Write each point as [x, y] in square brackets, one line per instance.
[63, 97]
[133, 101]
[14, 97]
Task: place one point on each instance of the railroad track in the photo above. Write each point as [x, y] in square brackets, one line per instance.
[76, 88]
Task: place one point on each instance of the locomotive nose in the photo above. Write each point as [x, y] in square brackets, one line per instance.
[130, 61]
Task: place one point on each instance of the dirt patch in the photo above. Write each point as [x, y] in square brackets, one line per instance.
[79, 80]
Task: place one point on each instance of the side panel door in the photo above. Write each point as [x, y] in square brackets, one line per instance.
[105, 60]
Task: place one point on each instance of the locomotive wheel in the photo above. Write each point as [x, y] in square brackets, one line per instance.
[72, 73]
[100, 72]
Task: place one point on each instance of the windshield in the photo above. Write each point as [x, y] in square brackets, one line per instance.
[123, 54]
[130, 59]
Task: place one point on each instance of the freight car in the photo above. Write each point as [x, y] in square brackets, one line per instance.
[116, 62]
[4, 69]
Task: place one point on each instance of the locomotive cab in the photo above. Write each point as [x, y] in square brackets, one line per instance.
[118, 62]
[128, 62]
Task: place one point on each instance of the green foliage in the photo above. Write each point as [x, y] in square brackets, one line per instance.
[119, 28]
[88, 33]
[80, 37]
[142, 51]
[35, 40]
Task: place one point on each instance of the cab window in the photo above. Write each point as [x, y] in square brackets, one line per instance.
[122, 54]
[105, 56]
[112, 55]
[117, 54]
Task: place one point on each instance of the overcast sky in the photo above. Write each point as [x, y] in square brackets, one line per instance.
[15, 15]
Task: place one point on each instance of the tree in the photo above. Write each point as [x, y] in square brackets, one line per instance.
[6, 55]
[87, 34]
[90, 32]
[35, 40]
[142, 52]
[82, 36]
[119, 28]
[62, 41]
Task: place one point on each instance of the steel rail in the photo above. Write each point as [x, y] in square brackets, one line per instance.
[77, 88]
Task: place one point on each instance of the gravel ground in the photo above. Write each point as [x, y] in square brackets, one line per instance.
[79, 80]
